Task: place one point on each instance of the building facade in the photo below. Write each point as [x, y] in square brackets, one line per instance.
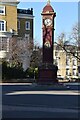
[8, 18]
[25, 23]
[67, 64]
[16, 25]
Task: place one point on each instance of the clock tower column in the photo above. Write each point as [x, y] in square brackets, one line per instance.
[48, 16]
[48, 71]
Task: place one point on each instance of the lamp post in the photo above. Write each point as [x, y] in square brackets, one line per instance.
[34, 74]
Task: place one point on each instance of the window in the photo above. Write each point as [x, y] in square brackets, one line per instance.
[7, 44]
[74, 62]
[4, 44]
[27, 25]
[18, 24]
[2, 25]
[79, 69]
[67, 61]
[74, 72]
[56, 53]
[67, 72]
[2, 10]
[27, 37]
[0, 43]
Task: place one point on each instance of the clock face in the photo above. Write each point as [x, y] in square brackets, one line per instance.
[48, 22]
[47, 44]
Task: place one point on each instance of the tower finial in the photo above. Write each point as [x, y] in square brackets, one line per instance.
[48, 2]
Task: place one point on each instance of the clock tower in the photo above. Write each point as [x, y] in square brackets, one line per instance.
[48, 16]
[48, 71]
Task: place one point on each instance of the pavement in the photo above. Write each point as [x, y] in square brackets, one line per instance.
[44, 92]
[67, 83]
[59, 86]
[29, 100]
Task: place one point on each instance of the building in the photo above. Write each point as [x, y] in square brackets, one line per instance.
[67, 63]
[16, 25]
[25, 23]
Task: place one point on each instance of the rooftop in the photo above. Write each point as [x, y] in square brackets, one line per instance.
[24, 11]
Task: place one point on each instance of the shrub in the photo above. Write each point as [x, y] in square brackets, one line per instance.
[32, 72]
[12, 72]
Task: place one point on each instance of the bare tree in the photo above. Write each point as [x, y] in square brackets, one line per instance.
[36, 57]
[20, 51]
[71, 44]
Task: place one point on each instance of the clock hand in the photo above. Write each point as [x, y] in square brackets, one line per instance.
[47, 22]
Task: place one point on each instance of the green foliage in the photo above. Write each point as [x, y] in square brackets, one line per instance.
[16, 72]
[32, 72]
[12, 72]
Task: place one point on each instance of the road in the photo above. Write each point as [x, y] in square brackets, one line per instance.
[35, 101]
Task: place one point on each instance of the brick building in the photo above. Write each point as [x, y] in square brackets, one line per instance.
[16, 25]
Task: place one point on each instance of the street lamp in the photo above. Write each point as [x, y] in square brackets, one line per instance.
[34, 74]
[35, 70]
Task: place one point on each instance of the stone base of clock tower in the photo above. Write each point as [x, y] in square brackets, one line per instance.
[47, 74]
